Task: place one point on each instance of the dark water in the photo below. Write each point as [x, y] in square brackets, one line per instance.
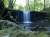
[36, 26]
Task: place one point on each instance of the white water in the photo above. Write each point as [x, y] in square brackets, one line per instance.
[26, 16]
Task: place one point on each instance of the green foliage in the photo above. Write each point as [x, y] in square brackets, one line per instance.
[43, 35]
[33, 4]
[6, 3]
[26, 7]
[20, 7]
[18, 31]
[15, 5]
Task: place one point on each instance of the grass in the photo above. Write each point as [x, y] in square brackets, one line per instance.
[29, 34]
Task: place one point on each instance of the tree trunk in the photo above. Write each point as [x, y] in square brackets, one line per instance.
[44, 4]
[10, 4]
[28, 4]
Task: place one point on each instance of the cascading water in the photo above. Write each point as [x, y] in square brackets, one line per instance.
[26, 20]
[27, 24]
[26, 16]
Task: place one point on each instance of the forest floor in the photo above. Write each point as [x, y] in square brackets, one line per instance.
[11, 29]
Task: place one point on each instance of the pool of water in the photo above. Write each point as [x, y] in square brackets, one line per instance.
[35, 26]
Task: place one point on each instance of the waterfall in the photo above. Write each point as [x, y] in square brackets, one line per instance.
[26, 16]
